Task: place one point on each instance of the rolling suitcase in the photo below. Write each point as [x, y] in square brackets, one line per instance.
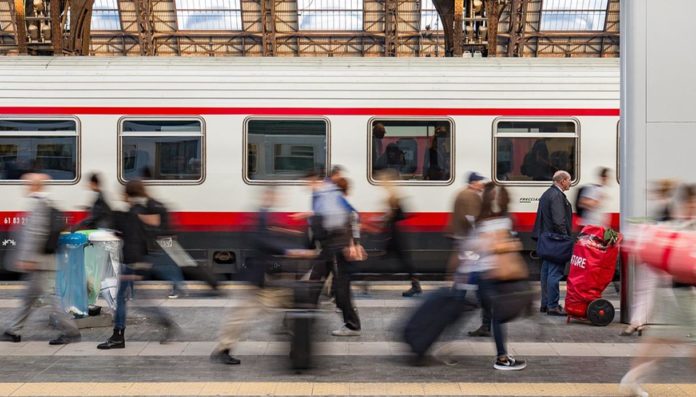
[440, 309]
[305, 294]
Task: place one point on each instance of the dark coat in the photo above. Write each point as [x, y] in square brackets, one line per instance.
[133, 235]
[100, 215]
[554, 213]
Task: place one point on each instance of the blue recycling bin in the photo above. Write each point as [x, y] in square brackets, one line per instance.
[71, 282]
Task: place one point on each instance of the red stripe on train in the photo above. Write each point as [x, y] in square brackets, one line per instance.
[297, 111]
[240, 221]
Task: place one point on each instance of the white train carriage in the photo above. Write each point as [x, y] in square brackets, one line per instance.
[209, 134]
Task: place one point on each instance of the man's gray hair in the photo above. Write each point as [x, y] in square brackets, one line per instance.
[560, 176]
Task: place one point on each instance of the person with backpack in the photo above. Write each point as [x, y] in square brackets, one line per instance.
[130, 226]
[590, 200]
[36, 245]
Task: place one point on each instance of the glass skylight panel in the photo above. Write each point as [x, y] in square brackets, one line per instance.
[429, 16]
[105, 15]
[209, 14]
[573, 15]
[330, 14]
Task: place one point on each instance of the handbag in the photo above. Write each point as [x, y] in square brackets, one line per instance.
[508, 264]
[355, 253]
[554, 247]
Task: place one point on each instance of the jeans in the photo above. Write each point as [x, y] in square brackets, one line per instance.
[120, 316]
[486, 320]
[164, 268]
[551, 275]
[486, 289]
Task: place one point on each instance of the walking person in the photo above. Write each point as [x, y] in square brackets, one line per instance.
[130, 225]
[493, 243]
[397, 243]
[99, 212]
[38, 266]
[554, 215]
[265, 245]
[592, 200]
[466, 209]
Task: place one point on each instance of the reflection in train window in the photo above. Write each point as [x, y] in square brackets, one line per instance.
[534, 150]
[162, 150]
[44, 145]
[285, 150]
[418, 150]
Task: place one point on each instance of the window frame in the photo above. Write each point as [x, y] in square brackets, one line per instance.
[175, 182]
[453, 151]
[179, 28]
[78, 147]
[279, 182]
[618, 152]
[361, 29]
[420, 19]
[541, 16]
[494, 152]
[118, 13]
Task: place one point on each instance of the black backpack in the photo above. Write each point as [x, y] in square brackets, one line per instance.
[56, 225]
[578, 195]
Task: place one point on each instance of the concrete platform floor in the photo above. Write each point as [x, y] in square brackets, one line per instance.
[573, 359]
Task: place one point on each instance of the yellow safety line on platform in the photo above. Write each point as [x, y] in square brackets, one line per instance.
[331, 389]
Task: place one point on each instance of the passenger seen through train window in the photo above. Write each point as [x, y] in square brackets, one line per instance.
[417, 150]
[534, 150]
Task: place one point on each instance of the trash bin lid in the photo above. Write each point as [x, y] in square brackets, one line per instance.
[102, 235]
[72, 239]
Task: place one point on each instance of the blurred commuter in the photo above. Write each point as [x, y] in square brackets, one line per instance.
[675, 322]
[466, 209]
[495, 247]
[397, 243]
[157, 225]
[266, 245]
[647, 279]
[592, 200]
[99, 213]
[38, 266]
[331, 221]
[554, 215]
[131, 226]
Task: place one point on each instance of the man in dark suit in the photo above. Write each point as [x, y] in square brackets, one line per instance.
[553, 215]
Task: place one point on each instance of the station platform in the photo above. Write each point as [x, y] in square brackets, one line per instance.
[574, 359]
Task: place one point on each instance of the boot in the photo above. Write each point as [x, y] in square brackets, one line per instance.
[116, 341]
[415, 289]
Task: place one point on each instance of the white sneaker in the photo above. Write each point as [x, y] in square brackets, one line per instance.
[345, 331]
[509, 363]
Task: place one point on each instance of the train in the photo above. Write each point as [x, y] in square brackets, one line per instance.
[208, 135]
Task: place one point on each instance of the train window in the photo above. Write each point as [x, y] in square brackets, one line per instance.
[417, 150]
[285, 149]
[162, 150]
[531, 151]
[48, 146]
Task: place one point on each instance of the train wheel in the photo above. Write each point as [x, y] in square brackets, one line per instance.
[600, 312]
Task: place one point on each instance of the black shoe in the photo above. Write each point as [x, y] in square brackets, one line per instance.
[112, 344]
[65, 339]
[414, 290]
[558, 312]
[223, 357]
[543, 309]
[10, 337]
[481, 331]
[116, 341]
